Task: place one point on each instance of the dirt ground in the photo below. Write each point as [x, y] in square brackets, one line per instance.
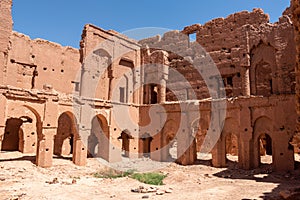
[21, 179]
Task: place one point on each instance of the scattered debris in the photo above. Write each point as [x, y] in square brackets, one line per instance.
[160, 192]
[156, 190]
[54, 181]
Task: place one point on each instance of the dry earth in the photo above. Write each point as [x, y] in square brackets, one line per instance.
[21, 179]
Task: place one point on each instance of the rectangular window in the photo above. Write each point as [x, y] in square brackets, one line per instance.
[122, 94]
[229, 81]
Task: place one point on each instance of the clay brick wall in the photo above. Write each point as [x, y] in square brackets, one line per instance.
[271, 72]
[295, 12]
[40, 64]
[5, 32]
[122, 56]
[244, 40]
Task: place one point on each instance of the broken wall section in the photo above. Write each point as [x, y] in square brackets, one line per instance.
[5, 32]
[244, 46]
[247, 41]
[40, 64]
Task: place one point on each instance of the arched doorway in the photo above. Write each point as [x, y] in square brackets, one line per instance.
[265, 149]
[23, 132]
[98, 141]
[13, 135]
[227, 144]
[262, 144]
[64, 138]
[125, 137]
[231, 146]
[146, 145]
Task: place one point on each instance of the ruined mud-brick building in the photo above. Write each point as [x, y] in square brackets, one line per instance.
[60, 100]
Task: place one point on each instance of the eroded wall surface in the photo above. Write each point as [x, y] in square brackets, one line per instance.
[247, 50]
[255, 58]
[46, 89]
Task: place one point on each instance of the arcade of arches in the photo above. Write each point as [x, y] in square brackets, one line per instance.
[63, 103]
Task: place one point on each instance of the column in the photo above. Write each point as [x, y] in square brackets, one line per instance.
[44, 154]
[246, 81]
[79, 152]
[162, 91]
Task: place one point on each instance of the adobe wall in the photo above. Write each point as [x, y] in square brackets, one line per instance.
[295, 12]
[38, 78]
[249, 53]
[246, 120]
[42, 65]
[110, 80]
[243, 46]
[5, 32]
[120, 55]
[247, 39]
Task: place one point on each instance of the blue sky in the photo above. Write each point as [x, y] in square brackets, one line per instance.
[62, 21]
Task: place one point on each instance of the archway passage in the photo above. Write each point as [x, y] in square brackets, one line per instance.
[12, 135]
[231, 146]
[125, 136]
[265, 149]
[262, 142]
[227, 144]
[98, 141]
[20, 135]
[146, 145]
[64, 138]
[67, 140]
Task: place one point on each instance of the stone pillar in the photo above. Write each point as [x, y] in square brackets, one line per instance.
[245, 139]
[133, 148]
[283, 157]
[44, 154]
[85, 81]
[162, 91]
[246, 64]
[246, 81]
[245, 153]
[163, 74]
[219, 154]
[185, 143]
[79, 152]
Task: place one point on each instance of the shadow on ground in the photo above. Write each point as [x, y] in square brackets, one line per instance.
[288, 182]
